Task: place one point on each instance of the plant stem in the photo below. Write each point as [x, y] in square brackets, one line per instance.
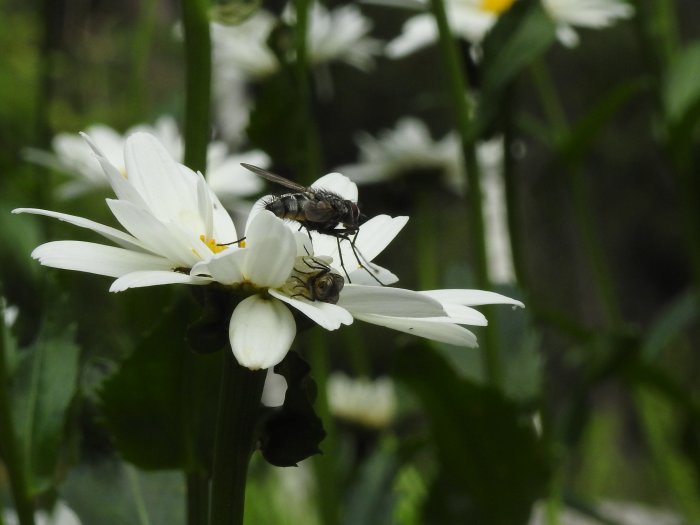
[239, 405]
[325, 466]
[195, 21]
[9, 448]
[458, 93]
[197, 498]
[310, 166]
[426, 251]
[141, 54]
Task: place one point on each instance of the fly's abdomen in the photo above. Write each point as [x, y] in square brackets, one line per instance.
[289, 206]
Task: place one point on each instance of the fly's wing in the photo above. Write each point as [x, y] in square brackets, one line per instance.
[277, 179]
[320, 211]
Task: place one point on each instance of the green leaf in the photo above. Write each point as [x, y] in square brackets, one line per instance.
[160, 406]
[669, 325]
[44, 384]
[492, 467]
[113, 493]
[681, 91]
[292, 432]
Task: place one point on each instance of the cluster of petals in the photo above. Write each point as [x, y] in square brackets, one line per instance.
[177, 232]
[367, 402]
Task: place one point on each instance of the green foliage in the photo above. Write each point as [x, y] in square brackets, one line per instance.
[44, 386]
[681, 91]
[160, 406]
[483, 442]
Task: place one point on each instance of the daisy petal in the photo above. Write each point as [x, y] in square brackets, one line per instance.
[471, 297]
[271, 251]
[361, 299]
[96, 258]
[142, 279]
[261, 332]
[329, 316]
[338, 184]
[362, 276]
[465, 315]
[119, 237]
[225, 267]
[437, 331]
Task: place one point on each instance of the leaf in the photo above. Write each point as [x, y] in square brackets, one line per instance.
[681, 91]
[492, 467]
[113, 493]
[668, 325]
[160, 406]
[292, 432]
[44, 384]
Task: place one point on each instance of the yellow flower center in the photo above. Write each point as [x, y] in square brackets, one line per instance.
[211, 244]
[496, 6]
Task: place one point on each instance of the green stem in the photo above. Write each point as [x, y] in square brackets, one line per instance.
[195, 21]
[325, 466]
[583, 217]
[239, 405]
[458, 93]
[310, 166]
[141, 55]
[9, 447]
[197, 498]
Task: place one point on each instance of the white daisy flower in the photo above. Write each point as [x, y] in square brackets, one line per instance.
[473, 19]
[405, 149]
[469, 19]
[367, 402]
[172, 220]
[72, 155]
[591, 14]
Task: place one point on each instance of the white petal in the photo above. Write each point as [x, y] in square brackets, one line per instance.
[142, 279]
[361, 299]
[339, 184]
[465, 315]
[167, 188]
[470, 297]
[437, 331]
[362, 276]
[225, 267]
[261, 332]
[271, 251]
[418, 32]
[329, 316]
[119, 237]
[152, 233]
[96, 258]
[230, 179]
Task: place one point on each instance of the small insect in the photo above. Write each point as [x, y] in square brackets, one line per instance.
[317, 210]
[313, 279]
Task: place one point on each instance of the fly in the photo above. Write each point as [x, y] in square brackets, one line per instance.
[317, 210]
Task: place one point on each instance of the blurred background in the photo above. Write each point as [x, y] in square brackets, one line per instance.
[587, 157]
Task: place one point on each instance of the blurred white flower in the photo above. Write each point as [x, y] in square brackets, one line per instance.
[469, 19]
[472, 20]
[10, 313]
[72, 155]
[407, 148]
[592, 14]
[622, 512]
[60, 515]
[367, 402]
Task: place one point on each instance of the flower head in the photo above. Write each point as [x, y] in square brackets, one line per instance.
[592, 14]
[370, 403]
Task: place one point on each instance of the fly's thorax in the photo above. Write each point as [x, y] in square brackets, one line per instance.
[313, 279]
